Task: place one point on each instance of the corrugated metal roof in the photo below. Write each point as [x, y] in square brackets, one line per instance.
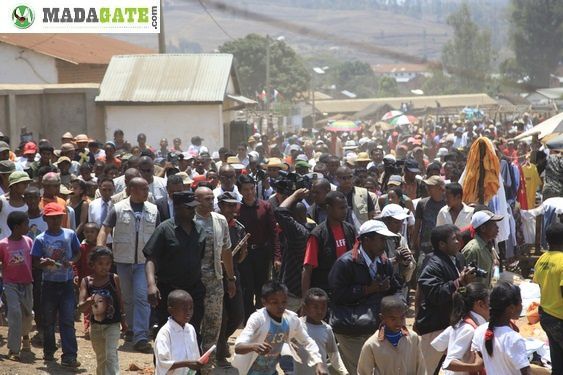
[242, 99]
[167, 78]
[74, 48]
[357, 105]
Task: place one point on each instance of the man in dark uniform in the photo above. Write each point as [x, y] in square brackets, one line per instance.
[174, 254]
[233, 308]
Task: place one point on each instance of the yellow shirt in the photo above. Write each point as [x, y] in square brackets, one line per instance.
[533, 181]
[549, 275]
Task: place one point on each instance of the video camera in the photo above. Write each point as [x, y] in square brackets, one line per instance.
[289, 182]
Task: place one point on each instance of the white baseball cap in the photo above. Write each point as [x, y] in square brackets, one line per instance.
[393, 210]
[375, 226]
[442, 151]
[481, 217]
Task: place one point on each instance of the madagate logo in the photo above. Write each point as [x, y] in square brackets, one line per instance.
[130, 15]
[80, 16]
[23, 17]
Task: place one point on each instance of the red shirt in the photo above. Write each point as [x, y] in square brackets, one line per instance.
[83, 268]
[312, 249]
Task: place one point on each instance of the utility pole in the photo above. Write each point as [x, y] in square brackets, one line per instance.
[314, 113]
[161, 38]
[268, 73]
[316, 70]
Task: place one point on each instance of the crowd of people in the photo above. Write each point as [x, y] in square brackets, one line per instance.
[313, 242]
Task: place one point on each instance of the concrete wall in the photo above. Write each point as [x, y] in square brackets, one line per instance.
[50, 110]
[20, 65]
[167, 121]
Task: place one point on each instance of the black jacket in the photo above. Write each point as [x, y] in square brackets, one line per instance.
[327, 252]
[348, 280]
[293, 239]
[437, 283]
[163, 210]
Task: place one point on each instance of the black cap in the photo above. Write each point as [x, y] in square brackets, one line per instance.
[412, 166]
[184, 198]
[227, 197]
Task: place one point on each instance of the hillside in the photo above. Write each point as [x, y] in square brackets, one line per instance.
[187, 23]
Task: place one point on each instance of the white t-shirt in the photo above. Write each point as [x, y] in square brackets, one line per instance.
[459, 343]
[36, 226]
[5, 210]
[174, 343]
[509, 350]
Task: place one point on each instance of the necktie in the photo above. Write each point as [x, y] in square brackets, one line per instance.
[373, 269]
[104, 211]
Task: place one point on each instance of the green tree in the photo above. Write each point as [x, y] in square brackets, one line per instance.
[288, 74]
[537, 35]
[467, 57]
[387, 87]
[439, 84]
[354, 76]
[510, 71]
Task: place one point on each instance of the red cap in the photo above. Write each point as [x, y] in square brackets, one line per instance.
[53, 209]
[197, 180]
[29, 148]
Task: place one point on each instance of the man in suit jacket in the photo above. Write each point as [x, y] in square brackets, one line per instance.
[165, 205]
[442, 274]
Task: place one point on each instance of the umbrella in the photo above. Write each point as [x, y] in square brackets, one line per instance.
[383, 125]
[391, 114]
[556, 143]
[551, 125]
[343, 126]
[400, 120]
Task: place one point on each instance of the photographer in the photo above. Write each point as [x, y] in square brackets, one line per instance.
[397, 248]
[479, 251]
[295, 235]
[443, 273]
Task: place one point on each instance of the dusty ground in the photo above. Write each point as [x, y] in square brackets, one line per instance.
[132, 362]
[32, 363]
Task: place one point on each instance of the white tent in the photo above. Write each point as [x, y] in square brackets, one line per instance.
[551, 125]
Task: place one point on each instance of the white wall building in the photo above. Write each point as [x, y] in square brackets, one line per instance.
[20, 65]
[172, 95]
[58, 58]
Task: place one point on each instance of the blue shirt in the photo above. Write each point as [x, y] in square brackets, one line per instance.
[277, 335]
[61, 247]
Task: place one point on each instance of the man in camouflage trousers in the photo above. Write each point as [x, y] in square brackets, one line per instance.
[217, 250]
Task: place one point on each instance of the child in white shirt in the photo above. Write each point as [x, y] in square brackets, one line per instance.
[314, 310]
[470, 310]
[258, 347]
[175, 348]
[503, 350]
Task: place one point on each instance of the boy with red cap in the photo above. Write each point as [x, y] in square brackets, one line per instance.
[54, 251]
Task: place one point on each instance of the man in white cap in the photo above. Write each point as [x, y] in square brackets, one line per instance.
[397, 249]
[359, 280]
[479, 251]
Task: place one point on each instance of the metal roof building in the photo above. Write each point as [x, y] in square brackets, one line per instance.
[169, 78]
[351, 106]
[173, 95]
